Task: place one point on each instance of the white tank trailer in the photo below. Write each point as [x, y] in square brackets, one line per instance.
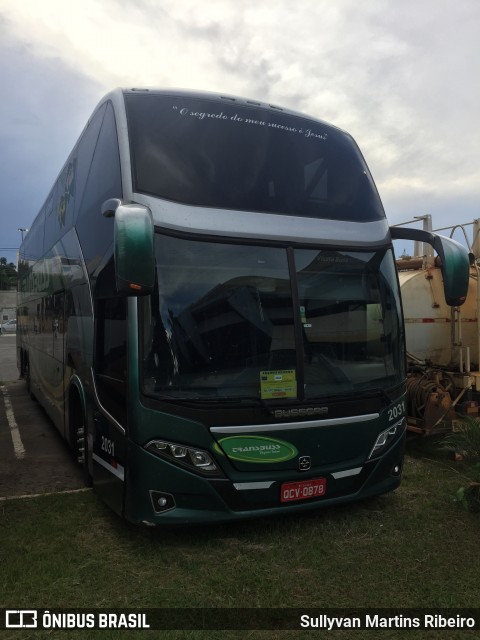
[443, 342]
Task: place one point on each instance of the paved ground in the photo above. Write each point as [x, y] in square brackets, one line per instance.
[8, 357]
[33, 456]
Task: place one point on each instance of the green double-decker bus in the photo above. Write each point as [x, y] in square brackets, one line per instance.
[209, 311]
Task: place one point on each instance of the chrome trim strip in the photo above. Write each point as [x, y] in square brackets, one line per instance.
[310, 424]
[348, 472]
[118, 471]
[247, 486]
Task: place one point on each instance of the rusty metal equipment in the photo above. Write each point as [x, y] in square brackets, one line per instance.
[443, 342]
[430, 400]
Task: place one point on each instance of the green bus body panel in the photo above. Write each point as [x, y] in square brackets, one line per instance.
[197, 501]
[455, 265]
[55, 326]
[330, 448]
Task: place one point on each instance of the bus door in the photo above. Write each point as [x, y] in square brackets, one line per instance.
[110, 413]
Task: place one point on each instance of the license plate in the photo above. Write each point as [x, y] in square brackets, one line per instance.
[303, 490]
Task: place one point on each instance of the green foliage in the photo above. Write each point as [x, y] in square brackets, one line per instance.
[8, 275]
[466, 439]
[466, 442]
[469, 497]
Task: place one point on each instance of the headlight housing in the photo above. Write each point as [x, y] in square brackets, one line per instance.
[191, 458]
[386, 437]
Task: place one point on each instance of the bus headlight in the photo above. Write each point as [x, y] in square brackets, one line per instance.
[192, 458]
[386, 437]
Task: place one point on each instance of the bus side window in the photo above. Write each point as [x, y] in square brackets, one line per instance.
[104, 181]
[111, 356]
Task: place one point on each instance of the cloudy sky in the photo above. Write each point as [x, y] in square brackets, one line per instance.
[401, 76]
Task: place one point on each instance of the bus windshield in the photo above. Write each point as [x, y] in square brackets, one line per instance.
[210, 153]
[269, 323]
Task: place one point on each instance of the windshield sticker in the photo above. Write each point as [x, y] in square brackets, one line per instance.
[303, 319]
[257, 449]
[278, 384]
[205, 115]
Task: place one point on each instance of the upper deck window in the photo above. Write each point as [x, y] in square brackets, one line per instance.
[235, 156]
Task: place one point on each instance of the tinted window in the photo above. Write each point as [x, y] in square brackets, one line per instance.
[63, 201]
[350, 320]
[112, 338]
[59, 205]
[111, 355]
[221, 315]
[84, 155]
[32, 247]
[233, 156]
[223, 322]
[104, 181]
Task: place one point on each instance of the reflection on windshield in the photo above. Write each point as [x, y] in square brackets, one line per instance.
[210, 153]
[221, 322]
[350, 317]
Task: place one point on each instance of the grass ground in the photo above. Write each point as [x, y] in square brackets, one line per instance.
[412, 548]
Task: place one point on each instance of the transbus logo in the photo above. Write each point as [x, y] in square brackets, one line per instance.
[257, 449]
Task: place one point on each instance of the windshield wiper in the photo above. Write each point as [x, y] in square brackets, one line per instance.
[352, 395]
[375, 392]
[192, 398]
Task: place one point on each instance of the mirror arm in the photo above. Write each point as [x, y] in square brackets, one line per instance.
[454, 261]
[401, 233]
[110, 206]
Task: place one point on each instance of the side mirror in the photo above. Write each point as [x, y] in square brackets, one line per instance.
[455, 263]
[134, 252]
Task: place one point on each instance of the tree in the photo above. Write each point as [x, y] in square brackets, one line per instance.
[8, 275]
